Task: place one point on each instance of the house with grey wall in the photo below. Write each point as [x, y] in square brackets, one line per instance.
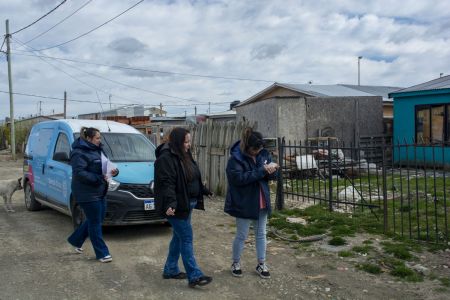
[300, 111]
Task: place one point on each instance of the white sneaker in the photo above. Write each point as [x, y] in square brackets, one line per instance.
[79, 250]
[106, 259]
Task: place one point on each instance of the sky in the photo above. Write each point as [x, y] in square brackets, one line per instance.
[208, 53]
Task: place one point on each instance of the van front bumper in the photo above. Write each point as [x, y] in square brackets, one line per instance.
[123, 208]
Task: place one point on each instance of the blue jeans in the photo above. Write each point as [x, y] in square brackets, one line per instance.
[242, 227]
[92, 227]
[182, 244]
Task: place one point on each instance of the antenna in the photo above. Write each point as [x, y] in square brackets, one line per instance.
[101, 107]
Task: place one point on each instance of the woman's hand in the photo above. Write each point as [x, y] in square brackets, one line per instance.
[170, 211]
[271, 168]
[114, 172]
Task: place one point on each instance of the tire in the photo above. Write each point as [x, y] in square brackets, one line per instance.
[30, 201]
[78, 216]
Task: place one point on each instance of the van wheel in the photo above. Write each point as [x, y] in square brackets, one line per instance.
[30, 201]
[78, 216]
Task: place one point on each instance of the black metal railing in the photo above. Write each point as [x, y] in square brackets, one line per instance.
[402, 185]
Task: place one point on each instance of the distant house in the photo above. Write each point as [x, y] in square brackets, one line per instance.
[221, 117]
[422, 116]
[300, 111]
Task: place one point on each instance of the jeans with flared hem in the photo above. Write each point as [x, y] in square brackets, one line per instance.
[92, 227]
[242, 228]
[182, 244]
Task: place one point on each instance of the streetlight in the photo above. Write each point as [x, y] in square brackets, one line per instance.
[359, 71]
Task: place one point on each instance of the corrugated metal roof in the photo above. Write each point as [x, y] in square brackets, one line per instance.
[435, 84]
[375, 90]
[330, 90]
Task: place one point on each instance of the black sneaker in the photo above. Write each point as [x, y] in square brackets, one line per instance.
[262, 270]
[180, 275]
[236, 269]
[201, 281]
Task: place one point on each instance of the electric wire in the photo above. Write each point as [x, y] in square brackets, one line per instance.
[23, 28]
[86, 33]
[96, 101]
[41, 34]
[146, 70]
[115, 81]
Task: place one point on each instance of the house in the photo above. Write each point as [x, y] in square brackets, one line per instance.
[422, 116]
[301, 111]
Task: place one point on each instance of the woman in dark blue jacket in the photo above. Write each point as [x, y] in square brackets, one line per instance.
[89, 187]
[249, 169]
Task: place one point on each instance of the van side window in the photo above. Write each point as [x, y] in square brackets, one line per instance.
[43, 141]
[62, 145]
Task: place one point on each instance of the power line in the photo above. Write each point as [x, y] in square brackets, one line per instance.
[86, 33]
[39, 18]
[3, 43]
[104, 78]
[41, 34]
[96, 101]
[147, 70]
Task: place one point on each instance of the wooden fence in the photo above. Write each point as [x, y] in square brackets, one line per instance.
[211, 143]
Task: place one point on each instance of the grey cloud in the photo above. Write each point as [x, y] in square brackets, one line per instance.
[127, 45]
[267, 51]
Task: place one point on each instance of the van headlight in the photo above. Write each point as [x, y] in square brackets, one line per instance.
[152, 187]
[113, 185]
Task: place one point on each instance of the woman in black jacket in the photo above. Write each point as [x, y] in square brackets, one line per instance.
[249, 170]
[178, 190]
[89, 187]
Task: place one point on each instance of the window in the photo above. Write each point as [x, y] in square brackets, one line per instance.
[433, 124]
[62, 144]
[42, 139]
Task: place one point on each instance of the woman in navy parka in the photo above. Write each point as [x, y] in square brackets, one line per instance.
[249, 170]
[89, 187]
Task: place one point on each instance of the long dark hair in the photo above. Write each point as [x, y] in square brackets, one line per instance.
[88, 132]
[250, 140]
[176, 141]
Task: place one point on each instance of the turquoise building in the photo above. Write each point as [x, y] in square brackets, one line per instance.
[422, 121]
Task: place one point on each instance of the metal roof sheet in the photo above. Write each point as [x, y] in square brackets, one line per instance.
[375, 90]
[435, 84]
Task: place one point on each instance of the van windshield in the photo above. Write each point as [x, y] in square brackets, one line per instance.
[127, 147]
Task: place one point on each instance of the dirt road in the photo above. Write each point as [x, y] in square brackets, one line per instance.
[37, 263]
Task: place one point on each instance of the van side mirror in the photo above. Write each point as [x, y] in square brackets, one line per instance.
[61, 156]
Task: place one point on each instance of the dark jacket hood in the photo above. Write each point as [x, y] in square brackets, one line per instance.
[162, 148]
[79, 143]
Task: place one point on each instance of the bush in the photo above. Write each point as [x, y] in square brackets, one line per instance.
[337, 241]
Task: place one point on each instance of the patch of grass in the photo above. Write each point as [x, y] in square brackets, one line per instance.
[400, 251]
[345, 254]
[337, 241]
[362, 249]
[368, 242]
[445, 281]
[406, 273]
[370, 268]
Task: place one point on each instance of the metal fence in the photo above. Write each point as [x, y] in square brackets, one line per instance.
[403, 186]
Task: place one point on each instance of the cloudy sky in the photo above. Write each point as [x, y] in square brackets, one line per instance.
[235, 48]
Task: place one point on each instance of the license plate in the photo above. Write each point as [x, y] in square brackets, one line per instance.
[149, 204]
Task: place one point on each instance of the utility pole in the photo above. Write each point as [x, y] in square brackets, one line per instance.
[65, 105]
[160, 109]
[359, 73]
[40, 108]
[209, 108]
[110, 101]
[11, 99]
[195, 110]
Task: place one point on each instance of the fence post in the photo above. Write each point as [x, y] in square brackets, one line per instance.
[385, 205]
[330, 178]
[280, 195]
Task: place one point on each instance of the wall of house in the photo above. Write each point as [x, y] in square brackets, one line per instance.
[291, 114]
[405, 130]
[347, 118]
[263, 113]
